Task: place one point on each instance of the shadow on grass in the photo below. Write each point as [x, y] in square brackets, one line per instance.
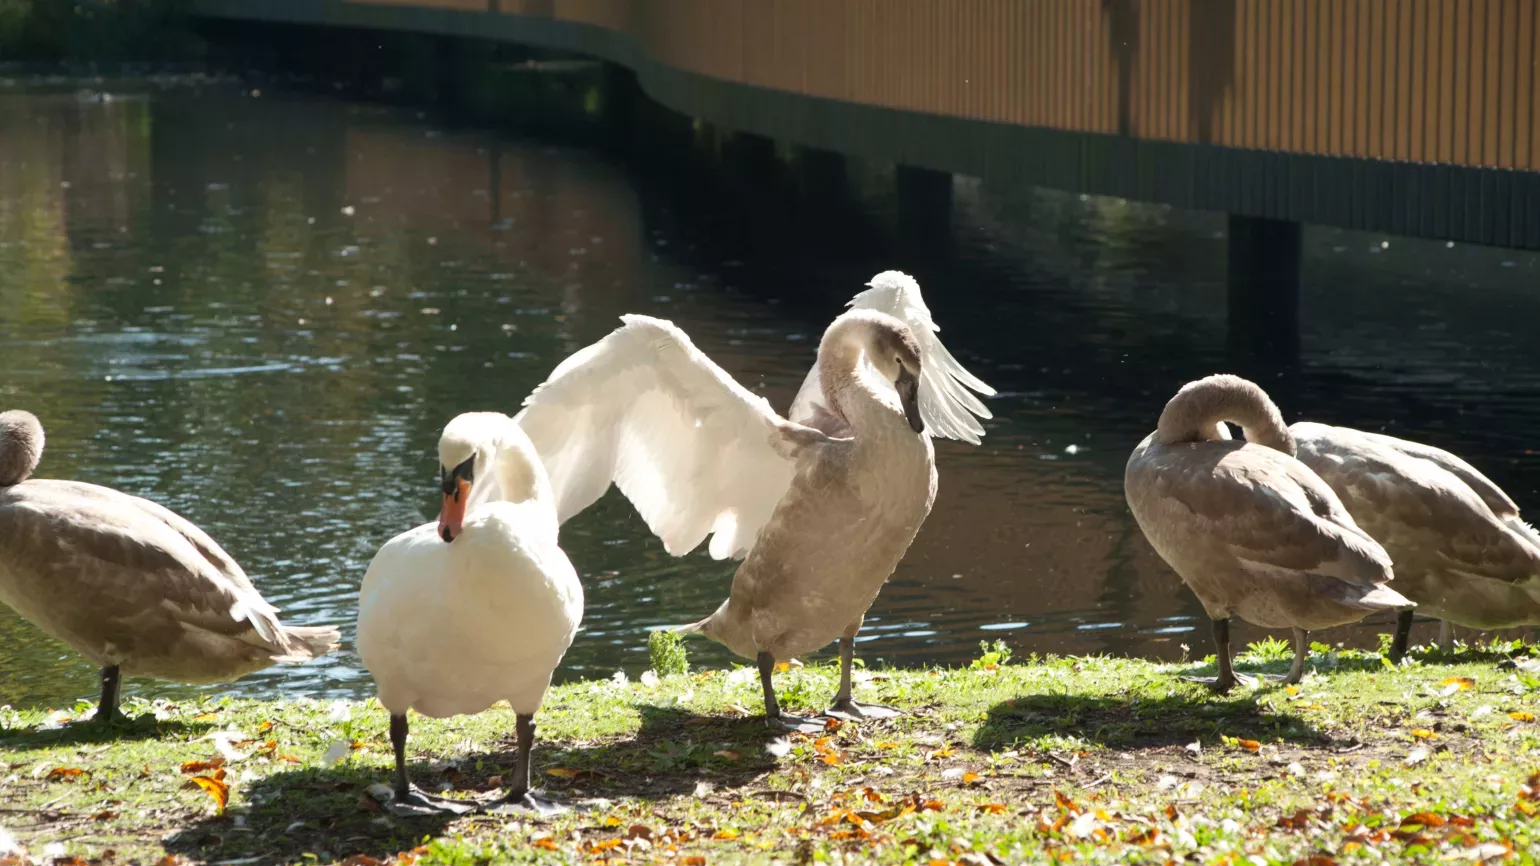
[1140, 723]
[329, 812]
[123, 730]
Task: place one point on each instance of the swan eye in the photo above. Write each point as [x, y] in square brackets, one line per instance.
[466, 470]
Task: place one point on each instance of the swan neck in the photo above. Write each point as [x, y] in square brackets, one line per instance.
[1195, 413]
[842, 374]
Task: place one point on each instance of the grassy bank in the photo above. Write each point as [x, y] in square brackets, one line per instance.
[1064, 759]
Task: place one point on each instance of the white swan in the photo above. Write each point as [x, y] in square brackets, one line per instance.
[1249, 528]
[477, 607]
[822, 519]
[1462, 552]
[130, 585]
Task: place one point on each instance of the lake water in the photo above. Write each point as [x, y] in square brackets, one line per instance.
[188, 307]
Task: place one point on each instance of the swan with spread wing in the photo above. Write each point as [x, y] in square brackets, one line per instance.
[821, 507]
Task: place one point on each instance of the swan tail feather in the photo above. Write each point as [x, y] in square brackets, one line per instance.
[303, 643]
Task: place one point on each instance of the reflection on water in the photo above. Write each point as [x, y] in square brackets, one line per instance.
[261, 311]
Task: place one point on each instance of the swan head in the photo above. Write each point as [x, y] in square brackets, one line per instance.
[892, 350]
[465, 453]
[21, 446]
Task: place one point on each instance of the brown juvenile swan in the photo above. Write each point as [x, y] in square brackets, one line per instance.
[131, 586]
[1249, 528]
[1461, 551]
[824, 519]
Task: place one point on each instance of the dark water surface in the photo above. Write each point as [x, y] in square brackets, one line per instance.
[188, 307]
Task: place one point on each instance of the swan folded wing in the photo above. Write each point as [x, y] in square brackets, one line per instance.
[946, 405]
[136, 570]
[1274, 515]
[1494, 497]
[696, 453]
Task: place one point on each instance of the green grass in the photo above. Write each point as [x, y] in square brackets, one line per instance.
[1086, 760]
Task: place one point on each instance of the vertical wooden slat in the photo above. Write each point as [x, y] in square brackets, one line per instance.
[1524, 66]
[1374, 80]
[1310, 104]
[1508, 81]
[1491, 84]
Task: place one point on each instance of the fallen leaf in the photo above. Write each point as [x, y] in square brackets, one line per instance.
[361, 860]
[694, 860]
[290, 759]
[264, 727]
[194, 767]
[992, 808]
[546, 843]
[1293, 690]
[1423, 819]
[1249, 745]
[832, 724]
[782, 667]
[107, 815]
[970, 778]
[728, 754]
[1527, 808]
[214, 787]
[58, 773]
[1460, 683]
[1522, 717]
[886, 745]
[561, 772]
[943, 752]
[726, 834]
[1422, 733]
[206, 717]
[832, 760]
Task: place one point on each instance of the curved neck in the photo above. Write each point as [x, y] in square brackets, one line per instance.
[844, 378]
[515, 475]
[1194, 414]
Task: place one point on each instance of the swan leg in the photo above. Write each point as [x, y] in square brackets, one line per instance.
[847, 708]
[1227, 678]
[107, 711]
[1445, 636]
[773, 713]
[1403, 635]
[408, 800]
[520, 799]
[1301, 650]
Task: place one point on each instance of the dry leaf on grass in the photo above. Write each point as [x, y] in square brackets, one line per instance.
[194, 767]
[214, 787]
[66, 773]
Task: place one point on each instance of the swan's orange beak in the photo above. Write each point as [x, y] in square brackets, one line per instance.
[451, 518]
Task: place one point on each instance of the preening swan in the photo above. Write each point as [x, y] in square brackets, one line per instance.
[477, 607]
[1253, 531]
[823, 512]
[1461, 551]
[129, 584]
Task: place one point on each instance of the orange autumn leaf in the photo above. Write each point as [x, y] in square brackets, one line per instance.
[1522, 717]
[612, 821]
[603, 845]
[1422, 733]
[58, 773]
[1293, 690]
[107, 815]
[214, 787]
[970, 778]
[833, 759]
[362, 860]
[933, 806]
[1249, 745]
[943, 752]
[206, 717]
[1065, 802]
[264, 728]
[1423, 819]
[1462, 682]
[729, 754]
[782, 667]
[725, 835]
[195, 767]
[561, 772]
[694, 860]
[288, 759]
[832, 724]
[992, 808]
[886, 745]
[1525, 807]
[546, 843]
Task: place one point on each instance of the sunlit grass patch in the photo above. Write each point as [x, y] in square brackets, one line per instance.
[1088, 759]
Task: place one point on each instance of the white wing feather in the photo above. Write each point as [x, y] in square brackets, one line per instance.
[694, 451]
[945, 403]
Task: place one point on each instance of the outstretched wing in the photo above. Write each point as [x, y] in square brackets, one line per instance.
[945, 402]
[693, 450]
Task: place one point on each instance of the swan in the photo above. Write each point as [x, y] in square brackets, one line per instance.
[821, 511]
[129, 584]
[477, 607]
[1251, 530]
[1462, 553]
